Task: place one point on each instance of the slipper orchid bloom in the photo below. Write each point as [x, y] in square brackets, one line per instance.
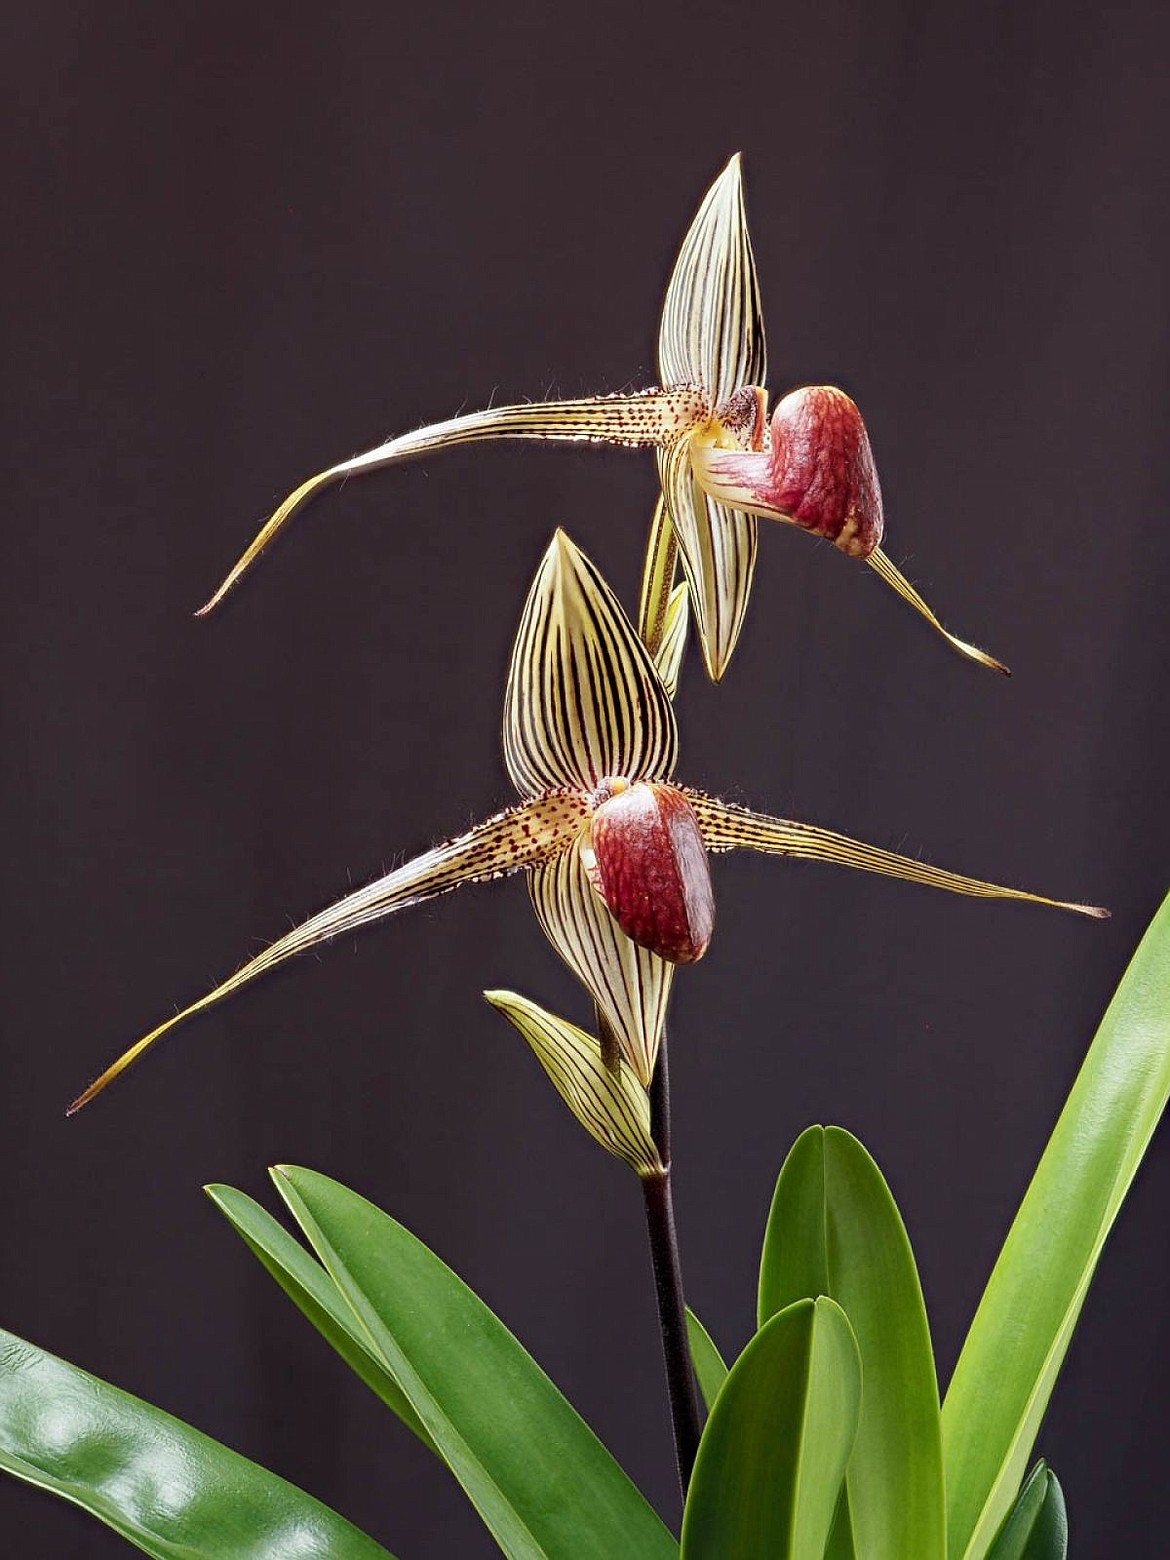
[615, 851]
[720, 462]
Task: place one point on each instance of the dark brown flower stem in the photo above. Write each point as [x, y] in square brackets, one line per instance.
[680, 1377]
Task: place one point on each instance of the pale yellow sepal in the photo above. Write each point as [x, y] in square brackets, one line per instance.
[669, 655]
[583, 698]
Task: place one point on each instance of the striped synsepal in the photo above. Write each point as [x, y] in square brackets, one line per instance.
[724, 826]
[510, 842]
[584, 700]
[611, 1106]
[646, 417]
[663, 607]
[712, 331]
[718, 550]
[630, 985]
[668, 657]
[658, 575]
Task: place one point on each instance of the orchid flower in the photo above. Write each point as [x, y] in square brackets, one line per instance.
[615, 851]
[720, 463]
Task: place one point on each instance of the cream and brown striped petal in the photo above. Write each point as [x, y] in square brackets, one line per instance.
[724, 826]
[659, 568]
[663, 607]
[611, 1106]
[647, 417]
[669, 655]
[712, 330]
[718, 550]
[510, 842]
[629, 984]
[584, 700]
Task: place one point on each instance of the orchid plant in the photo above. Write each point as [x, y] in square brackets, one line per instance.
[825, 1439]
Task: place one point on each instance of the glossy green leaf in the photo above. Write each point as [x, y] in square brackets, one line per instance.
[773, 1453]
[710, 1370]
[310, 1288]
[834, 1229]
[1037, 1526]
[540, 1479]
[169, 1489]
[1017, 1342]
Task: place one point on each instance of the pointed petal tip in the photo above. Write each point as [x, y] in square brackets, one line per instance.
[973, 653]
[715, 663]
[91, 1093]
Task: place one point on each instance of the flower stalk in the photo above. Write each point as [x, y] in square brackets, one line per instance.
[668, 1287]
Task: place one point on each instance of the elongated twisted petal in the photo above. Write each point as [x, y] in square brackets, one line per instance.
[897, 581]
[583, 699]
[647, 417]
[712, 330]
[718, 550]
[611, 1106]
[510, 842]
[725, 826]
[630, 985]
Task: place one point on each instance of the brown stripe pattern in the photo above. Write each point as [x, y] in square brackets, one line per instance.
[638, 420]
[629, 984]
[611, 1107]
[584, 700]
[725, 826]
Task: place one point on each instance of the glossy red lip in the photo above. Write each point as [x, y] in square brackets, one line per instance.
[650, 866]
[823, 470]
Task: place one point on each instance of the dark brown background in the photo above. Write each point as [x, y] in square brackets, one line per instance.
[243, 243]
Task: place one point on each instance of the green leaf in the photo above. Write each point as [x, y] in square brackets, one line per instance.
[1017, 1342]
[834, 1229]
[309, 1286]
[169, 1489]
[541, 1480]
[710, 1371]
[773, 1453]
[1037, 1526]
